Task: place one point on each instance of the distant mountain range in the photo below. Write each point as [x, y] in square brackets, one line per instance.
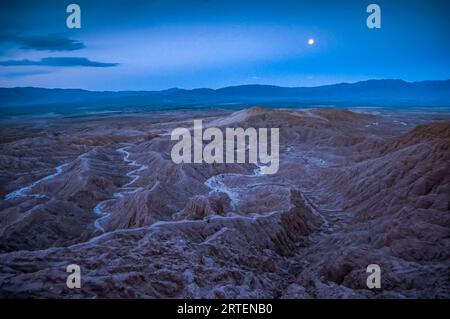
[372, 92]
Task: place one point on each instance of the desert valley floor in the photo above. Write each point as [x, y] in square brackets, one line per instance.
[102, 192]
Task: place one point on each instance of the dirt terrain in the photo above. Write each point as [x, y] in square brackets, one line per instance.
[353, 189]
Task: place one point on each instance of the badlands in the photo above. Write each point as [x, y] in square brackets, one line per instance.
[102, 192]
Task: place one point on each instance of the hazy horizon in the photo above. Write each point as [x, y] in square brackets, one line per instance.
[223, 87]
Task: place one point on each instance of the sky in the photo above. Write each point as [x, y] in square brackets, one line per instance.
[161, 44]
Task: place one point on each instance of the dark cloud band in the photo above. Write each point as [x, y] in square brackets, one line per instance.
[59, 62]
[43, 43]
[50, 44]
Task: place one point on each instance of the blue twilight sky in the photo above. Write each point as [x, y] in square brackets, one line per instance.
[159, 44]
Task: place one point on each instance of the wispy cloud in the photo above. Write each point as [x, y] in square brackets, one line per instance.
[43, 43]
[59, 62]
[19, 74]
[51, 44]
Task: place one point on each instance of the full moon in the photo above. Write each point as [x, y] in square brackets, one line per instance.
[311, 41]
